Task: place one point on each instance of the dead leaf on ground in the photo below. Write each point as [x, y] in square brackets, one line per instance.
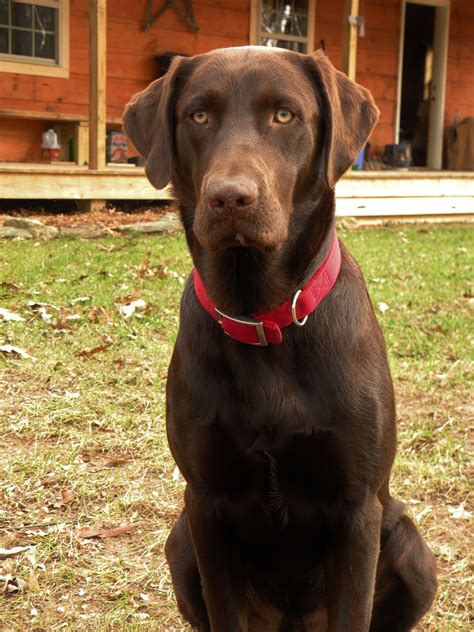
[10, 285]
[98, 427]
[98, 314]
[65, 498]
[128, 310]
[15, 351]
[116, 461]
[96, 531]
[88, 353]
[11, 584]
[61, 324]
[113, 248]
[16, 550]
[36, 306]
[7, 315]
[459, 513]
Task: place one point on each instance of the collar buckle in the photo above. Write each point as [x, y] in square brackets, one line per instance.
[244, 320]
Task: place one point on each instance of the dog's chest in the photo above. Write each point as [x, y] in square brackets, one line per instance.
[271, 474]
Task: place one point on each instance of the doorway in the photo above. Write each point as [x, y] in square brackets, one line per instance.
[422, 79]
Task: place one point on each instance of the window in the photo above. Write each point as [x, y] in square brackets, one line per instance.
[34, 37]
[283, 23]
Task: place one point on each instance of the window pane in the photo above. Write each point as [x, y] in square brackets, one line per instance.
[3, 40]
[289, 17]
[299, 47]
[22, 42]
[3, 11]
[45, 19]
[45, 45]
[22, 15]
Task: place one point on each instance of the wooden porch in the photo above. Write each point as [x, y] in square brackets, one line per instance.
[363, 194]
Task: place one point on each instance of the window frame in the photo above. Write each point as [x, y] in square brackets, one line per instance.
[43, 67]
[256, 33]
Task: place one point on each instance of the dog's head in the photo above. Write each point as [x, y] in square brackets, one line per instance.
[246, 134]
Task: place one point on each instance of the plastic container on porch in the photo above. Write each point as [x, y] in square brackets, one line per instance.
[50, 148]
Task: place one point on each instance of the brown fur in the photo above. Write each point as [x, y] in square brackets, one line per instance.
[288, 524]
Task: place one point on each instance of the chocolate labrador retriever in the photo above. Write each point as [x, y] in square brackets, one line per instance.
[284, 428]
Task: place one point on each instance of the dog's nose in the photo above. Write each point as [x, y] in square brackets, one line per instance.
[231, 194]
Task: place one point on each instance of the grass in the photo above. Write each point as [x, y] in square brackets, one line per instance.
[82, 421]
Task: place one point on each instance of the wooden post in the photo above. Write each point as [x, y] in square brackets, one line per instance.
[97, 78]
[350, 32]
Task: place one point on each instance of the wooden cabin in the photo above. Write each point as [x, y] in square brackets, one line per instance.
[72, 65]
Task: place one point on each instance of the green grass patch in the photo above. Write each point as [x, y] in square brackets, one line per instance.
[82, 420]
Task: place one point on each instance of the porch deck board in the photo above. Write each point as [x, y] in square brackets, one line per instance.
[365, 194]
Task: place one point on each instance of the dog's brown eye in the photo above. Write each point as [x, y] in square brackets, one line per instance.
[200, 117]
[283, 116]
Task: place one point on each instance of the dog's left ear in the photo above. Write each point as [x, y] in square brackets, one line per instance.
[148, 122]
[349, 112]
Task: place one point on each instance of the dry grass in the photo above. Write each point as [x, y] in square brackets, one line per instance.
[83, 439]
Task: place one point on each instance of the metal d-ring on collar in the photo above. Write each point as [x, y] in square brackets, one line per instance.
[298, 323]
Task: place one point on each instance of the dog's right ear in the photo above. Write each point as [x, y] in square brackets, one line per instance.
[148, 122]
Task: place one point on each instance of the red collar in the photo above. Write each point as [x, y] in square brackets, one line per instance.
[265, 327]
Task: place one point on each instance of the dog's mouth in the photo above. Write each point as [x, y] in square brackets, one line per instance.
[229, 232]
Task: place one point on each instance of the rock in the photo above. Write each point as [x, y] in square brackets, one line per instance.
[83, 231]
[8, 232]
[34, 227]
[167, 224]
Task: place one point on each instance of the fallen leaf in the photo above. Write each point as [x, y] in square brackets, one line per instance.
[15, 351]
[117, 531]
[97, 314]
[90, 532]
[5, 314]
[88, 353]
[115, 461]
[61, 324]
[45, 315]
[11, 584]
[459, 513]
[10, 285]
[97, 531]
[65, 498]
[16, 550]
[36, 306]
[129, 309]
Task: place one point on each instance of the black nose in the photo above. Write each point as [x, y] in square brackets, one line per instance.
[231, 194]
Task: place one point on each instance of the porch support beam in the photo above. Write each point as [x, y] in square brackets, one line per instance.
[97, 82]
[350, 33]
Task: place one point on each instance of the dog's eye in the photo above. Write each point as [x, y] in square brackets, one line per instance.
[200, 117]
[283, 116]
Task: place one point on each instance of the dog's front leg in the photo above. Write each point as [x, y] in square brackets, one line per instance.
[350, 570]
[222, 578]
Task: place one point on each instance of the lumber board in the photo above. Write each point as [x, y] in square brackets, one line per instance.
[78, 184]
[350, 34]
[97, 83]
[396, 187]
[406, 206]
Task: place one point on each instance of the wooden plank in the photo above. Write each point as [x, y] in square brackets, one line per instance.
[350, 34]
[97, 82]
[393, 187]
[398, 207]
[44, 116]
[82, 185]
[82, 140]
